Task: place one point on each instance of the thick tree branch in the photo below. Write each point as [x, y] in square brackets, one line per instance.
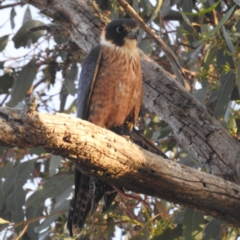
[197, 131]
[112, 158]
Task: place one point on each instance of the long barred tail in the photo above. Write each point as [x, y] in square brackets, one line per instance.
[80, 204]
[88, 192]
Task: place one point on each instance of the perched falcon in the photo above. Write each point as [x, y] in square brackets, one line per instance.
[109, 95]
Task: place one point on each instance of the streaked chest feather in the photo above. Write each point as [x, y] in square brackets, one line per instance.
[117, 92]
[120, 66]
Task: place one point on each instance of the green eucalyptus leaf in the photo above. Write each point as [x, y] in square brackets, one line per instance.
[193, 224]
[224, 60]
[212, 230]
[16, 199]
[31, 213]
[3, 42]
[188, 160]
[187, 6]
[27, 15]
[37, 150]
[23, 83]
[10, 177]
[179, 217]
[12, 16]
[186, 19]
[6, 187]
[145, 46]
[228, 40]
[70, 78]
[232, 235]
[238, 76]
[220, 24]
[169, 233]
[223, 94]
[61, 205]
[204, 11]
[63, 98]
[50, 188]
[2, 64]
[55, 162]
[187, 28]
[135, 5]
[23, 36]
[210, 57]
[6, 82]
[146, 5]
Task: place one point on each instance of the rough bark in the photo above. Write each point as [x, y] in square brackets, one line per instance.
[193, 126]
[112, 158]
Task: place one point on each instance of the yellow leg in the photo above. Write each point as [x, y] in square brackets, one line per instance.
[129, 125]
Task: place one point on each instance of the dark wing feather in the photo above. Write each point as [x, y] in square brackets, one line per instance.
[81, 203]
[86, 81]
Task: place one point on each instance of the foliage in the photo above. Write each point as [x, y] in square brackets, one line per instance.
[36, 186]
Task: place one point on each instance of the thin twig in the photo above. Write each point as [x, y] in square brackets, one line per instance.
[4, 99]
[123, 194]
[111, 223]
[27, 222]
[12, 5]
[166, 139]
[22, 232]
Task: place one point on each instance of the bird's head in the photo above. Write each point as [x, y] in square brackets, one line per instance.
[120, 33]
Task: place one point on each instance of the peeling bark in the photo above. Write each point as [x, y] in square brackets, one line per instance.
[195, 129]
[109, 157]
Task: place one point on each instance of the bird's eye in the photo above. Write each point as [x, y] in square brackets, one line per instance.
[120, 29]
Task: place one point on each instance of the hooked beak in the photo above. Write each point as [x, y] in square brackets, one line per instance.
[132, 34]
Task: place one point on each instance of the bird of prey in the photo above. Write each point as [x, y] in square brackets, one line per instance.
[109, 95]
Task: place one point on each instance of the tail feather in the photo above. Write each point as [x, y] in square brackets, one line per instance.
[105, 191]
[81, 204]
[88, 192]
